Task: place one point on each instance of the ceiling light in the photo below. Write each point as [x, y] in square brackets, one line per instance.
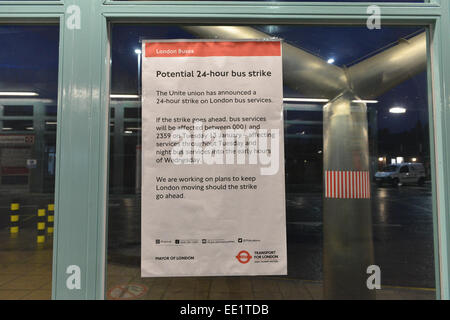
[304, 100]
[124, 96]
[18, 94]
[331, 61]
[397, 110]
[365, 101]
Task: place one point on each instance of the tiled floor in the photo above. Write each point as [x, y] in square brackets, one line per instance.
[25, 267]
[237, 288]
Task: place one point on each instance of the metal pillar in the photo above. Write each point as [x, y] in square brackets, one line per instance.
[37, 175]
[347, 246]
[302, 71]
[118, 169]
[372, 114]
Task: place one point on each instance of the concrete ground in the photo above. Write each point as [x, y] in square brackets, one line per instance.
[403, 245]
[403, 242]
[232, 288]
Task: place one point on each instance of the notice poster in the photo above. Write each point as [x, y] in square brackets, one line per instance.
[213, 193]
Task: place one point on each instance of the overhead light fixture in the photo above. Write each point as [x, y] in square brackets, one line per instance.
[124, 96]
[397, 110]
[414, 159]
[381, 159]
[18, 94]
[304, 100]
[128, 131]
[365, 101]
[7, 129]
[331, 61]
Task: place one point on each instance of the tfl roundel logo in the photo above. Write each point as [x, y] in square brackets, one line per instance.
[243, 256]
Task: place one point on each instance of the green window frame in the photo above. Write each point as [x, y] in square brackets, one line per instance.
[83, 117]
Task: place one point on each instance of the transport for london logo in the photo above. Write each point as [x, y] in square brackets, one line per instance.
[243, 257]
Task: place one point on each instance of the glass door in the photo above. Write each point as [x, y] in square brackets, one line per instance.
[28, 109]
[356, 111]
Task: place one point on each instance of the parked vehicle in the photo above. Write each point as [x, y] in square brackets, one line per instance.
[400, 174]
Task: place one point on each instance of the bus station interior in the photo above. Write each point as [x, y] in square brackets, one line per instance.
[402, 220]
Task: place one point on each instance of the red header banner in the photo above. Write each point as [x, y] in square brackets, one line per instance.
[213, 49]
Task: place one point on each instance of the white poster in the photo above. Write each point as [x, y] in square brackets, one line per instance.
[213, 193]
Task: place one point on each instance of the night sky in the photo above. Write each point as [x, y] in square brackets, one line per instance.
[345, 44]
[30, 61]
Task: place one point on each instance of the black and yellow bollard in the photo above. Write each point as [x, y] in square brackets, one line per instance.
[50, 218]
[14, 219]
[40, 226]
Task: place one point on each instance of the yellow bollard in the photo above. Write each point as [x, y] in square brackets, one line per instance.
[40, 226]
[14, 218]
[50, 218]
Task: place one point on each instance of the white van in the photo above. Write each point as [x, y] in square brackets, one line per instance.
[399, 174]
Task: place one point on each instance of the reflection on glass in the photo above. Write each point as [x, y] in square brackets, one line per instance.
[391, 226]
[28, 91]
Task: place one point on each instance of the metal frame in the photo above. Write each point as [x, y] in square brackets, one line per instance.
[83, 117]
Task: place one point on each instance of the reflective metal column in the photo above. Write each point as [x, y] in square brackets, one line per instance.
[348, 247]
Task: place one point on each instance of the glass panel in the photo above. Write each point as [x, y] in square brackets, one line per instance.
[28, 86]
[17, 111]
[328, 237]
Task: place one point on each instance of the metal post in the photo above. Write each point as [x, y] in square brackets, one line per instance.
[40, 226]
[14, 218]
[118, 154]
[50, 218]
[139, 137]
[347, 225]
